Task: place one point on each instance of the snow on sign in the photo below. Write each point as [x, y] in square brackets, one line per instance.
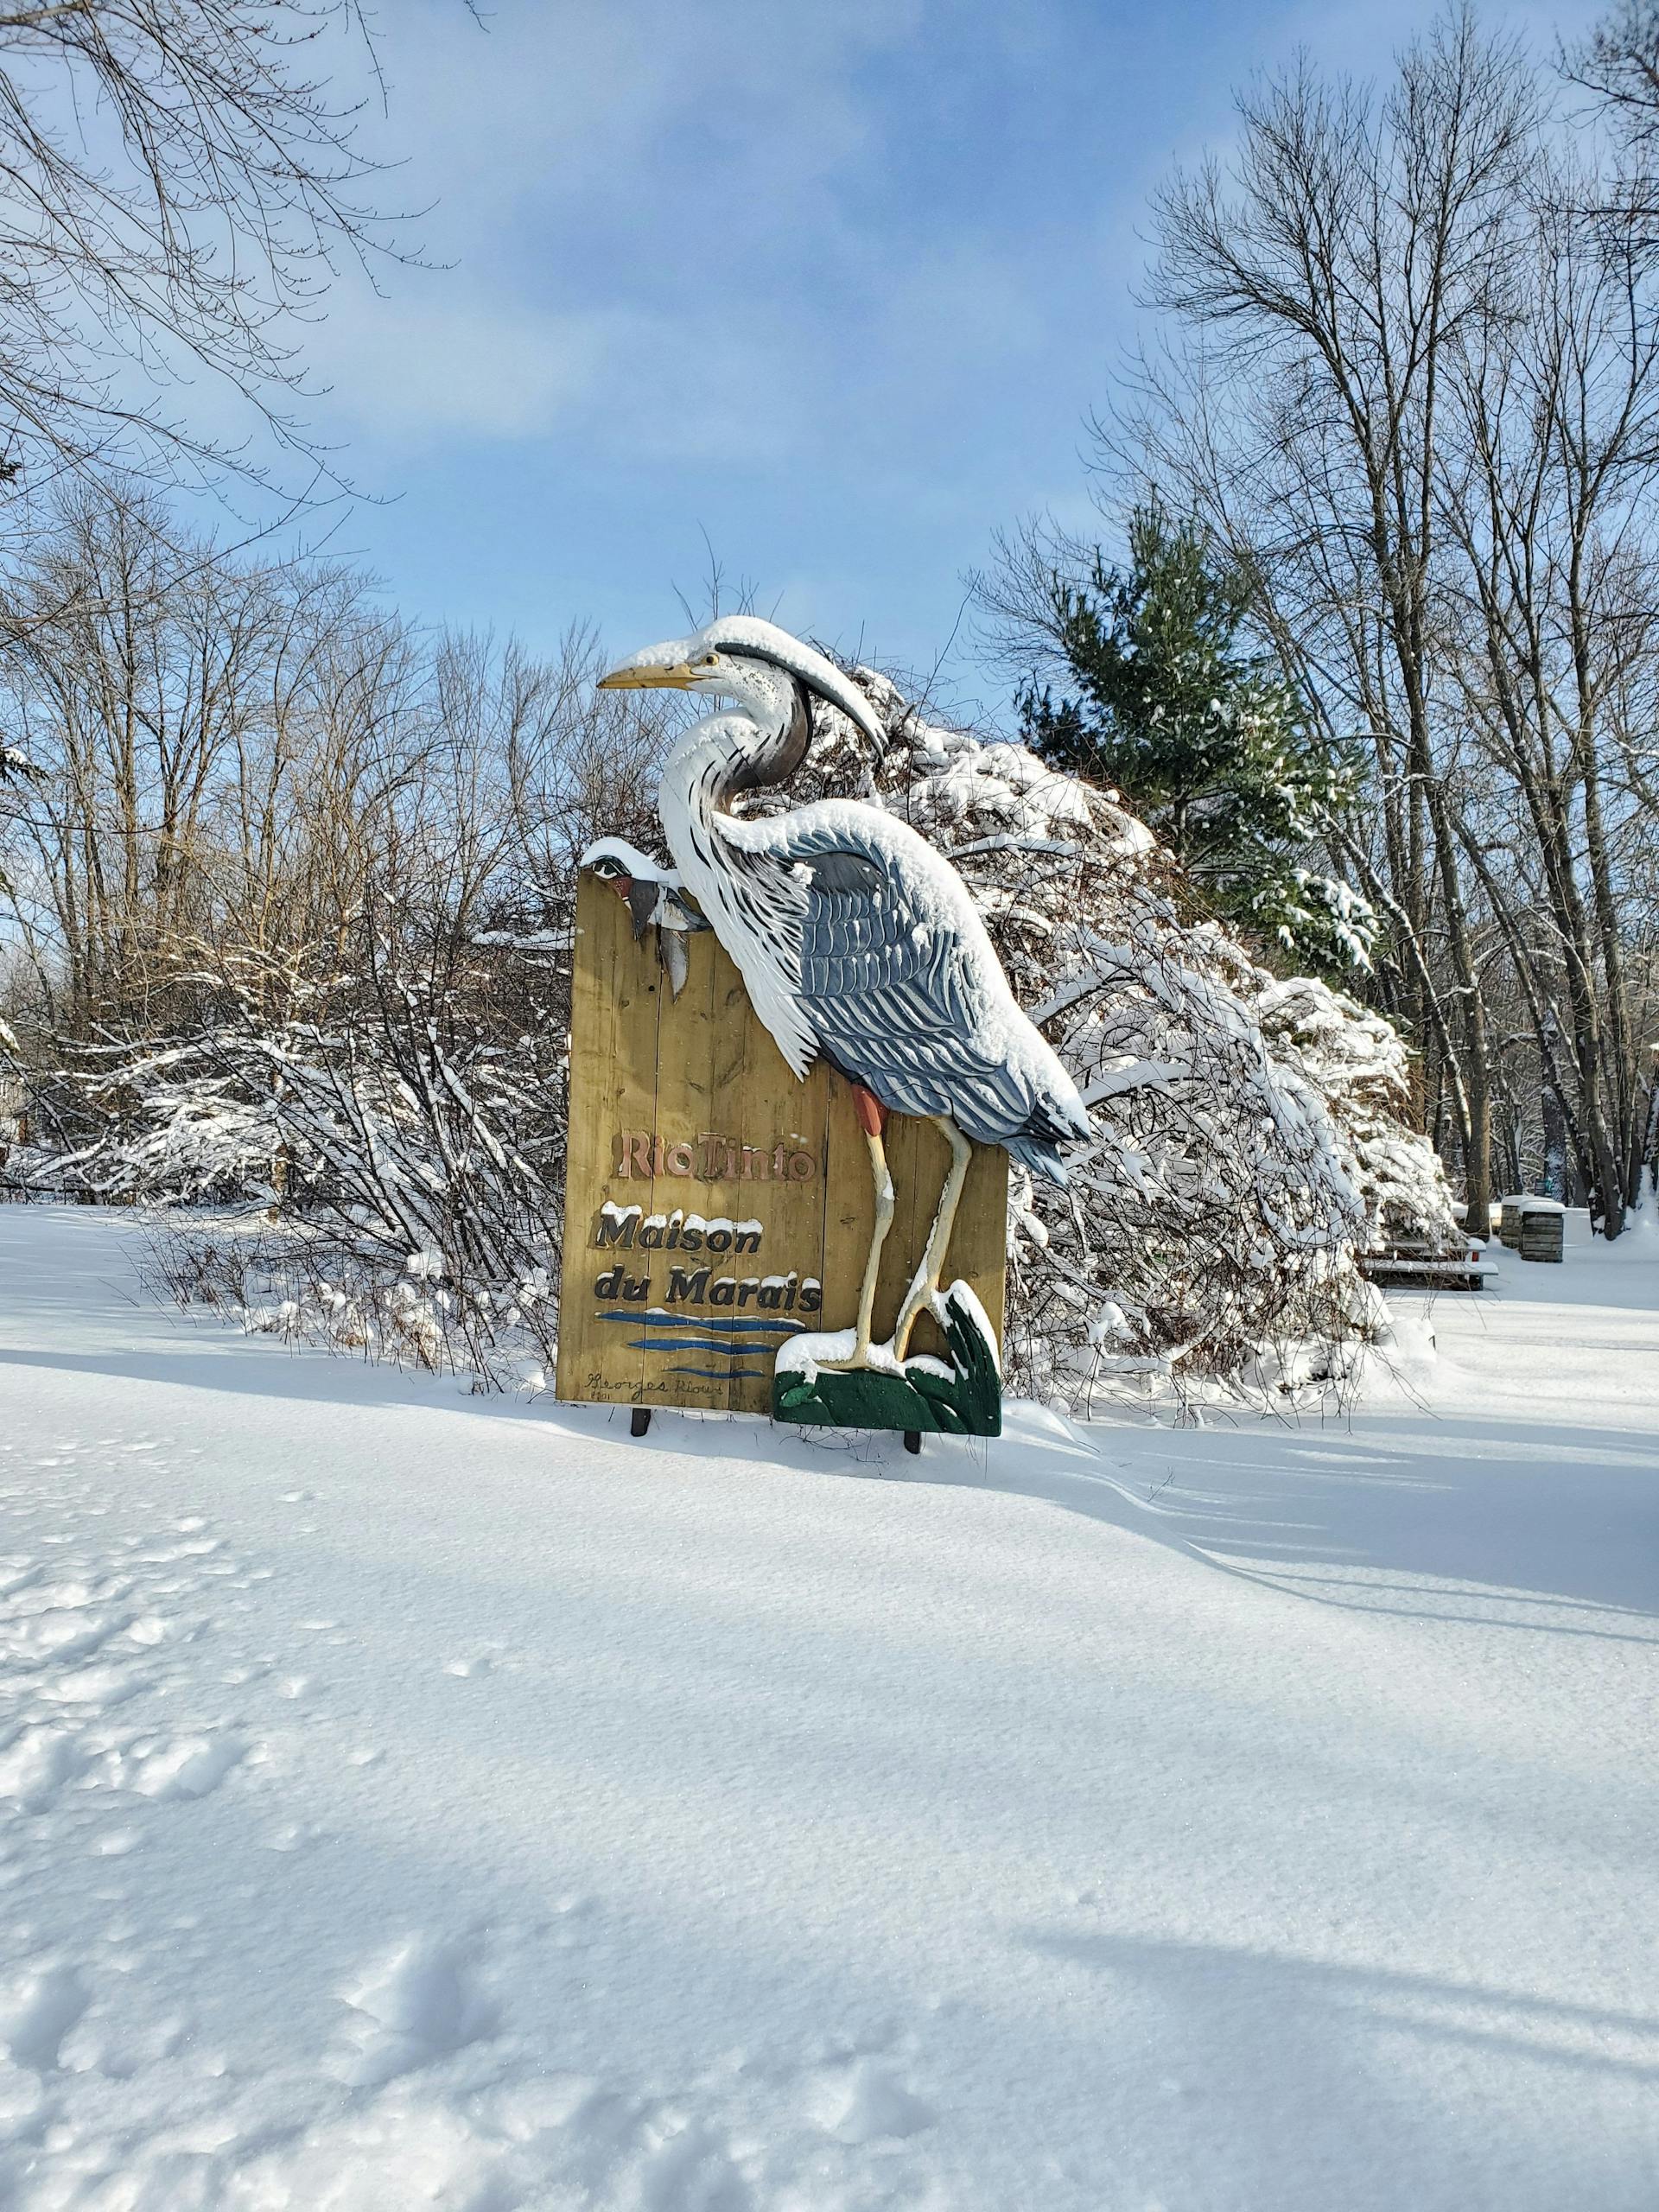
[715, 1206]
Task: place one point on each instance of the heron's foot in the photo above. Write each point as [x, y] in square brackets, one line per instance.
[858, 1361]
[908, 1318]
[959, 1395]
[866, 1358]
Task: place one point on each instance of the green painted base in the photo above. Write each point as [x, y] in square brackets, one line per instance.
[967, 1402]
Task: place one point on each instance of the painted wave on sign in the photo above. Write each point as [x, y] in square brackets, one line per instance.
[732, 1338]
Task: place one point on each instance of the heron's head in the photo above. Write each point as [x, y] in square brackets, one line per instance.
[739, 656]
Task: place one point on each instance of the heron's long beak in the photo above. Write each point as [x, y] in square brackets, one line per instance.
[676, 678]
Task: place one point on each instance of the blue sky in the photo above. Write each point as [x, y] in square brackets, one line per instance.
[835, 282]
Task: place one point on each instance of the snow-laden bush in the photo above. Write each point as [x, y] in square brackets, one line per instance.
[178, 1122]
[303, 1280]
[399, 1103]
[1358, 1063]
[1211, 1232]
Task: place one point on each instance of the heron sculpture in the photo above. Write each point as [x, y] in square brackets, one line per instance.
[858, 942]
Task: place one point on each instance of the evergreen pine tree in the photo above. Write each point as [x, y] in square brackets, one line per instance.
[1201, 734]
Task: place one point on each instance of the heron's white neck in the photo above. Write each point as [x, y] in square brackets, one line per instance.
[698, 777]
[761, 742]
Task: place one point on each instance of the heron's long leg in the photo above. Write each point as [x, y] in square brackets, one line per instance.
[883, 1179]
[871, 1119]
[926, 1283]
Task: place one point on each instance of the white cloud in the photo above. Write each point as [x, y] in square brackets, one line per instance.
[446, 359]
[647, 213]
[407, 370]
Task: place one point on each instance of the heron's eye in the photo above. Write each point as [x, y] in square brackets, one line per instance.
[707, 661]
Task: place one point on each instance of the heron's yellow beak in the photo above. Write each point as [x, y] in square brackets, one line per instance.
[674, 678]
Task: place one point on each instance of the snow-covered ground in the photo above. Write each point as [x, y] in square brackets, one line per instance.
[413, 1800]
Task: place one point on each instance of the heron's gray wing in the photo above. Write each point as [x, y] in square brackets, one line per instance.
[892, 997]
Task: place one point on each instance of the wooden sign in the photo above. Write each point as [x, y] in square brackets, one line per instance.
[714, 1206]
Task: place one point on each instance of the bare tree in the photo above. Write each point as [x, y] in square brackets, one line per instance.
[1619, 63]
[1408, 378]
[1321, 284]
[178, 179]
[292, 884]
[1548, 500]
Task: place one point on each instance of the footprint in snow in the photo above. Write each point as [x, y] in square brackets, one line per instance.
[119, 2053]
[37, 2013]
[864, 2102]
[63, 1597]
[484, 1660]
[687, 2163]
[189, 1766]
[293, 1837]
[415, 2003]
[95, 1688]
[36, 1763]
[60, 1636]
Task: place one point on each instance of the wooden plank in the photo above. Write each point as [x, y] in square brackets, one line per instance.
[613, 1087]
[719, 1097]
[740, 1393]
[979, 1249]
[685, 1057]
[1425, 1274]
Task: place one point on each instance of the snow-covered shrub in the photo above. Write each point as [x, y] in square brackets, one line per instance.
[305, 1283]
[1358, 1063]
[178, 1122]
[405, 1118]
[1211, 1232]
